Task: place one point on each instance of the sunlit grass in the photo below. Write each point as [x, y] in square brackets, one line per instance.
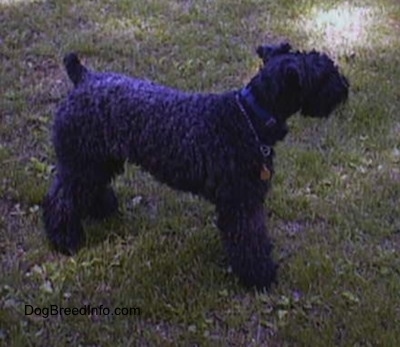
[17, 2]
[344, 26]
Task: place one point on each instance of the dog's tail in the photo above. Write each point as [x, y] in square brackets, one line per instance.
[75, 70]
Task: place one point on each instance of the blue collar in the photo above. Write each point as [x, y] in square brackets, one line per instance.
[268, 119]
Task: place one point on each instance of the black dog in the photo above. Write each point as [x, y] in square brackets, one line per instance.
[219, 146]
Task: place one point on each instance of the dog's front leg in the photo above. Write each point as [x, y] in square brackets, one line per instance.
[246, 242]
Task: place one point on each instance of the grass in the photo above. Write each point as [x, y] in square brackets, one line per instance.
[334, 207]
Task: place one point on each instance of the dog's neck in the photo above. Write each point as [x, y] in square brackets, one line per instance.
[248, 98]
[268, 128]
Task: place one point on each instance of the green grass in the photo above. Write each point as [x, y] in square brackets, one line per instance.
[334, 206]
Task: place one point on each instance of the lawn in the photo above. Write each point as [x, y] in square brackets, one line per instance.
[333, 210]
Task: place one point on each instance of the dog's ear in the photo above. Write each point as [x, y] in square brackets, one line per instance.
[266, 52]
[293, 76]
[283, 48]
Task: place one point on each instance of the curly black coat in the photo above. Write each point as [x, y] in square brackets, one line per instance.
[203, 143]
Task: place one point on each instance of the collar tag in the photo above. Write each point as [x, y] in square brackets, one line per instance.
[265, 173]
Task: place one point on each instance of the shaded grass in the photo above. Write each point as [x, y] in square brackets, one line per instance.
[333, 209]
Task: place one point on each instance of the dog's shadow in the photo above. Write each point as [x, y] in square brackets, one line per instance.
[132, 217]
[153, 227]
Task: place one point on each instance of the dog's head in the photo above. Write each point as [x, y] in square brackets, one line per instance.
[291, 81]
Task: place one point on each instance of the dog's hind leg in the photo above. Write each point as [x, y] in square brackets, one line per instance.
[104, 202]
[75, 194]
[62, 216]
